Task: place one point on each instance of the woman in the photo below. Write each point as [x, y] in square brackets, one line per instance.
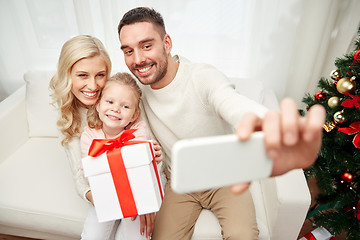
[83, 68]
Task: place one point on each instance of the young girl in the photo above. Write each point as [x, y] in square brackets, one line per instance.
[83, 68]
[117, 110]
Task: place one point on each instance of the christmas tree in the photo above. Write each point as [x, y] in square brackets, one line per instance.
[337, 168]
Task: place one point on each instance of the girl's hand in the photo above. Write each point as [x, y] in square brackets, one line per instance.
[89, 197]
[147, 222]
[158, 153]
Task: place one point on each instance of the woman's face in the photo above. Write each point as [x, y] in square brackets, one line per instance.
[88, 77]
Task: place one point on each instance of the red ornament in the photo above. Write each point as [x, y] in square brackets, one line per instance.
[357, 211]
[319, 95]
[357, 56]
[347, 177]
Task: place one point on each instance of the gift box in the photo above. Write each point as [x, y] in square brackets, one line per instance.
[123, 177]
[319, 233]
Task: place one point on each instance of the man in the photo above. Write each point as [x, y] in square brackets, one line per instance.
[186, 100]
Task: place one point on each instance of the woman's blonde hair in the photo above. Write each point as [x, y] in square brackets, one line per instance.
[75, 49]
[118, 78]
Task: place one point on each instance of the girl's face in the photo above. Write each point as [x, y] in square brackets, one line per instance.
[88, 77]
[117, 108]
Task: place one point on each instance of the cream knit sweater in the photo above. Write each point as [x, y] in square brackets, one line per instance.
[200, 101]
[73, 153]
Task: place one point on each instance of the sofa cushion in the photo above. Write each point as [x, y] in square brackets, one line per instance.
[42, 195]
[42, 116]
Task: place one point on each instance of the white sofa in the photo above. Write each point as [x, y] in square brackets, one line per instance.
[37, 193]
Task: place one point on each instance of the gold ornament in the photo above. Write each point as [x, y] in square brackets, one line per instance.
[328, 126]
[333, 102]
[346, 85]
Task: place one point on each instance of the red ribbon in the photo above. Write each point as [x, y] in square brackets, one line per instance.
[118, 170]
[309, 236]
[353, 128]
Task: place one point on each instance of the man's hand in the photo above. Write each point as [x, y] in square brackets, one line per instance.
[291, 141]
[157, 152]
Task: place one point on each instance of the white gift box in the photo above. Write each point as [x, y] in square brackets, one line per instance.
[143, 177]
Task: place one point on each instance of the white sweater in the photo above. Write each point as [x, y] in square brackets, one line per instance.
[200, 101]
[73, 153]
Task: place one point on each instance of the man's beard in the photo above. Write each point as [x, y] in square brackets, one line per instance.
[161, 71]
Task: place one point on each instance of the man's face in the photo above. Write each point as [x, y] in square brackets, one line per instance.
[145, 52]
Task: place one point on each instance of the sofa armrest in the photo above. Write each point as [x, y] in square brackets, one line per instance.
[287, 200]
[13, 123]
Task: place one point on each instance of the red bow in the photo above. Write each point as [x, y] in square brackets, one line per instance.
[353, 102]
[99, 146]
[354, 128]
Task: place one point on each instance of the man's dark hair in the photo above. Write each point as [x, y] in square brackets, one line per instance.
[143, 14]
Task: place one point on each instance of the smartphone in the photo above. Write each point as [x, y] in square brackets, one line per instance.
[200, 164]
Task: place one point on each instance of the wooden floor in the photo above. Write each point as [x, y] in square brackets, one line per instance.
[306, 228]
[8, 237]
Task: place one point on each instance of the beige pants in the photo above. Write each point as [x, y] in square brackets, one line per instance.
[179, 212]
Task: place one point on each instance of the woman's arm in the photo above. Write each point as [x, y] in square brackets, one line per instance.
[74, 156]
